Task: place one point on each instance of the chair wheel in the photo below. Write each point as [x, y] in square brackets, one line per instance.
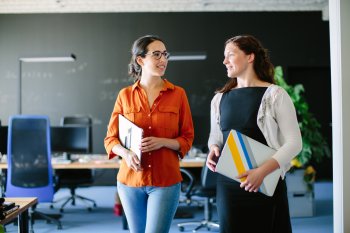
[89, 209]
[181, 229]
[51, 206]
[95, 205]
[61, 210]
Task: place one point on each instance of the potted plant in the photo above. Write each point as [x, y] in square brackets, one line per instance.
[300, 179]
[315, 147]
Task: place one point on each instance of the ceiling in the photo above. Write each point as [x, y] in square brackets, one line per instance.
[97, 6]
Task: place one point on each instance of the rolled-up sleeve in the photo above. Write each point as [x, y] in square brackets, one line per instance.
[112, 138]
[186, 135]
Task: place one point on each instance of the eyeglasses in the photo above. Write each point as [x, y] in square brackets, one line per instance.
[158, 54]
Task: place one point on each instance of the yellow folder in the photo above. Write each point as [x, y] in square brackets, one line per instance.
[242, 153]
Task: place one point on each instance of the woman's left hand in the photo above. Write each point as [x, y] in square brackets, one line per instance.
[253, 179]
[151, 143]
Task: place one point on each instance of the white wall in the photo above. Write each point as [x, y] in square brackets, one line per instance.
[339, 12]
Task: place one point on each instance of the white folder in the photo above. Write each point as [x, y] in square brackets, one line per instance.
[242, 153]
[130, 135]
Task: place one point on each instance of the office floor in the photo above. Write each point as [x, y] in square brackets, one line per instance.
[101, 219]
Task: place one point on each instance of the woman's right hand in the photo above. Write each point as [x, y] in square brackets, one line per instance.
[213, 157]
[132, 161]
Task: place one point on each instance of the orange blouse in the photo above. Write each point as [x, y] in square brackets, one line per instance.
[168, 117]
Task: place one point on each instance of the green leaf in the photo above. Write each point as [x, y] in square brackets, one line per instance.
[315, 147]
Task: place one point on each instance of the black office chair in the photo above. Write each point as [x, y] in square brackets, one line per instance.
[29, 163]
[187, 184]
[208, 191]
[185, 201]
[74, 178]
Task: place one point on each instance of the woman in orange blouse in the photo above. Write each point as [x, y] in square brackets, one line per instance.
[149, 189]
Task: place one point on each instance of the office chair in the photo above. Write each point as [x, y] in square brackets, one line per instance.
[74, 178]
[29, 162]
[188, 181]
[208, 191]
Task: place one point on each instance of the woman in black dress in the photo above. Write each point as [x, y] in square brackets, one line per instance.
[251, 104]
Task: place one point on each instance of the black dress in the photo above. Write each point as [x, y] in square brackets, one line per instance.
[238, 210]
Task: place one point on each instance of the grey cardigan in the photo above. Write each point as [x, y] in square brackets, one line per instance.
[277, 121]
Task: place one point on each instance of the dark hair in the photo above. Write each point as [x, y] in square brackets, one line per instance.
[262, 64]
[139, 48]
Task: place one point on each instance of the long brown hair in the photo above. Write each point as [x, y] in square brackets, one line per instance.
[262, 64]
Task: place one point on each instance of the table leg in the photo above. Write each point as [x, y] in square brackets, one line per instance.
[2, 182]
[23, 222]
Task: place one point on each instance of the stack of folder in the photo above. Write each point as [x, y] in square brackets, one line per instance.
[6, 208]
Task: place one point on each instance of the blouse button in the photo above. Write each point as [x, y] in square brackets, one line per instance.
[149, 165]
[149, 153]
[150, 127]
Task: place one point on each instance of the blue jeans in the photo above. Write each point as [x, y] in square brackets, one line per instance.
[149, 209]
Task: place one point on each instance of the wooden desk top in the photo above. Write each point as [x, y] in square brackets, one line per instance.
[24, 204]
[101, 162]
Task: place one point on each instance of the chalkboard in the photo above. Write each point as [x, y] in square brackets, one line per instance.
[102, 44]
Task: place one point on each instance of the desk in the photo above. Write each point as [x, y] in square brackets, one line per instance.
[21, 212]
[101, 162]
[115, 164]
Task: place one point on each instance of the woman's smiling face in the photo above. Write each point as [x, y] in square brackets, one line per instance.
[235, 60]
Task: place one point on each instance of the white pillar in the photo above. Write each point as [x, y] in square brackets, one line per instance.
[339, 19]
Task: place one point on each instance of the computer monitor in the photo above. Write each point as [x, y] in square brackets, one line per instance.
[70, 139]
[3, 139]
